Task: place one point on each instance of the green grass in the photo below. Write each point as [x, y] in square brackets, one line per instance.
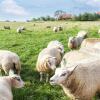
[28, 45]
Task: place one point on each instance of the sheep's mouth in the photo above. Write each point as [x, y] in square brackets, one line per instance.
[52, 83]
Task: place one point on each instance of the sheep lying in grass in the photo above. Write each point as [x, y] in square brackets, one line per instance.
[9, 62]
[6, 83]
[47, 61]
[75, 42]
[81, 81]
[57, 45]
[7, 27]
[90, 42]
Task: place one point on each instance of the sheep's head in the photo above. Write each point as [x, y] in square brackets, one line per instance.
[61, 74]
[17, 82]
[51, 62]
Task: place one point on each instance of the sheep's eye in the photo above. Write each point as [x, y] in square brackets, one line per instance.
[17, 79]
[63, 74]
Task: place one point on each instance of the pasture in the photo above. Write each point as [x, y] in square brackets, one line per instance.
[29, 43]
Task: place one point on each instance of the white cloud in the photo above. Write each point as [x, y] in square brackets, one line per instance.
[93, 3]
[11, 7]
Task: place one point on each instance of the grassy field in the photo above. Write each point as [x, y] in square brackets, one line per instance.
[28, 45]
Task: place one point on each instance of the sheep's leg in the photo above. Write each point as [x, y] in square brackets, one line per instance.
[41, 76]
[47, 77]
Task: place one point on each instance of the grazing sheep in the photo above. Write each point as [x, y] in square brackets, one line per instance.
[60, 28]
[57, 45]
[74, 42]
[19, 30]
[9, 62]
[47, 61]
[6, 83]
[83, 34]
[23, 28]
[48, 26]
[7, 27]
[55, 29]
[79, 82]
[90, 42]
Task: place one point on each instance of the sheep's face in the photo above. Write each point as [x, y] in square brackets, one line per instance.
[61, 74]
[59, 77]
[71, 40]
[52, 63]
[17, 82]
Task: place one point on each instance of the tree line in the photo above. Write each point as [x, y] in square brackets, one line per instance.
[62, 15]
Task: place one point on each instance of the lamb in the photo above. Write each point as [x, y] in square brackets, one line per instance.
[74, 42]
[81, 81]
[90, 42]
[56, 44]
[7, 27]
[6, 83]
[47, 61]
[9, 62]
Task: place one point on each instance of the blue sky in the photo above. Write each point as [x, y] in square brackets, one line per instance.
[27, 9]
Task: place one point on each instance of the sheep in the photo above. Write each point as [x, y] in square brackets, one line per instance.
[74, 56]
[48, 26]
[55, 29]
[9, 62]
[60, 28]
[90, 42]
[47, 61]
[7, 27]
[56, 44]
[74, 42]
[6, 83]
[19, 30]
[80, 81]
[83, 34]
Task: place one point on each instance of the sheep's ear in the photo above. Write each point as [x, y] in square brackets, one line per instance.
[71, 69]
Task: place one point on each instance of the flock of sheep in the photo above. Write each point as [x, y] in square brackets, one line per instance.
[78, 72]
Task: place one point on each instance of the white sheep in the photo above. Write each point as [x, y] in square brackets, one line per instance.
[56, 44]
[55, 29]
[80, 81]
[90, 42]
[9, 61]
[47, 61]
[19, 30]
[75, 56]
[74, 42]
[83, 34]
[6, 84]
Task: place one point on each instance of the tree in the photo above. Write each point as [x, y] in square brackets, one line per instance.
[58, 13]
